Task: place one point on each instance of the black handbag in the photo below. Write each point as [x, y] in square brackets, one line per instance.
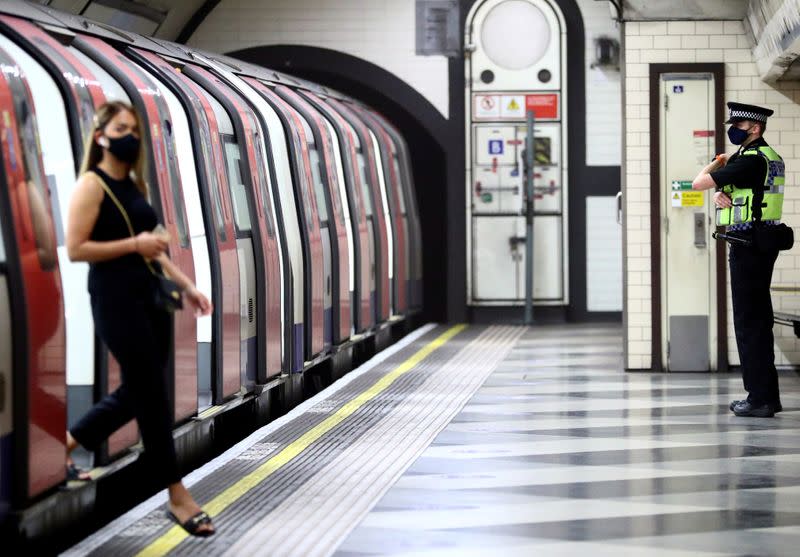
[166, 292]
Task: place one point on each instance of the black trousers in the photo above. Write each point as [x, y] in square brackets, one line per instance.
[751, 274]
[139, 337]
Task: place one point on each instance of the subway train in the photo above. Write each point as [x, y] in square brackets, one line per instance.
[290, 205]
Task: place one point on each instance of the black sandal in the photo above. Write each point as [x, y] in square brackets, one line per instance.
[192, 526]
[74, 474]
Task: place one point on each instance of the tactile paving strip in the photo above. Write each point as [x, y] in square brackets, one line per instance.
[316, 495]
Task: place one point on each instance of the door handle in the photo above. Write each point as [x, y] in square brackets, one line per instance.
[514, 240]
[700, 230]
[619, 207]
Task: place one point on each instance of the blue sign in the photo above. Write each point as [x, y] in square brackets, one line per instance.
[677, 88]
[495, 146]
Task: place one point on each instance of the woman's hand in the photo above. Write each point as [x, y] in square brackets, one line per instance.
[202, 306]
[722, 200]
[149, 246]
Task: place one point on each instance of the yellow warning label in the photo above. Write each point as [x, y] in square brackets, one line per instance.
[676, 195]
[513, 105]
[692, 199]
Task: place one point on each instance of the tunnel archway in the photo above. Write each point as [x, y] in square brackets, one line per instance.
[422, 125]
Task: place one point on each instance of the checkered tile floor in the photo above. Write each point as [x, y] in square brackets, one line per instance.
[560, 452]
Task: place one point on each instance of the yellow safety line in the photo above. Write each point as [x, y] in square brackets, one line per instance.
[175, 535]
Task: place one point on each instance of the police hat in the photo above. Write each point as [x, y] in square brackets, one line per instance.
[739, 112]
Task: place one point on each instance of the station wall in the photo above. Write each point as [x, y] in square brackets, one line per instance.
[694, 42]
[383, 32]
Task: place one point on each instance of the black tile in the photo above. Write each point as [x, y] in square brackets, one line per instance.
[658, 454]
[614, 489]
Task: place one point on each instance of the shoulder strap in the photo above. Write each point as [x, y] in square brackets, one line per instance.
[124, 214]
[116, 202]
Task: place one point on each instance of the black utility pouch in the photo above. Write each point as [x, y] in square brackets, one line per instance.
[778, 237]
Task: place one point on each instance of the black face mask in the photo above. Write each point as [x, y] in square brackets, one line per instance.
[738, 136]
[125, 148]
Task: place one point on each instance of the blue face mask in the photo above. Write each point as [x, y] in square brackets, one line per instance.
[737, 136]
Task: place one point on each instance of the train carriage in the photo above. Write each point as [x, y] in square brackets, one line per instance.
[282, 200]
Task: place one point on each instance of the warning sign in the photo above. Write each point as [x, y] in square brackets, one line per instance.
[544, 106]
[692, 199]
[687, 199]
[486, 106]
[512, 106]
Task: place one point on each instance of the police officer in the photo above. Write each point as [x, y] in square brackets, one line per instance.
[749, 189]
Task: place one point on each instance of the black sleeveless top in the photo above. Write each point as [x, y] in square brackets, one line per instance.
[127, 274]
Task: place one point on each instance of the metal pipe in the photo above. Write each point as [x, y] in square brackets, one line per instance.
[529, 148]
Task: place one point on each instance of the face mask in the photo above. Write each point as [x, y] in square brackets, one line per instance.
[125, 148]
[738, 136]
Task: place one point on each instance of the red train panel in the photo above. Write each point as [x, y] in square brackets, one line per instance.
[45, 396]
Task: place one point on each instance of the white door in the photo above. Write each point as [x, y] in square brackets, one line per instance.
[688, 277]
[515, 63]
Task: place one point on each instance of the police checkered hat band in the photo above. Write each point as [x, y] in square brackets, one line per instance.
[745, 115]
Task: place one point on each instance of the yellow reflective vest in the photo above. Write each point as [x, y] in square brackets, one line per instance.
[746, 202]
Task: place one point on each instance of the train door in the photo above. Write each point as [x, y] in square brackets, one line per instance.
[227, 106]
[59, 171]
[412, 216]
[363, 262]
[6, 367]
[226, 377]
[324, 155]
[396, 207]
[370, 181]
[40, 386]
[204, 250]
[82, 93]
[107, 373]
[277, 180]
[515, 62]
[188, 398]
[166, 193]
[317, 246]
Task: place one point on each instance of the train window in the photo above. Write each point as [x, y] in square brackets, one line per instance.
[216, 201]
[399, 178]
[362, 173]
[210, 168]
[261, 179]
[319, 186]
[36, 183]
[174, 181]
[241, 208]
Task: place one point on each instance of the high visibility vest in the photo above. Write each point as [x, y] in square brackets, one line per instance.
[746, 203]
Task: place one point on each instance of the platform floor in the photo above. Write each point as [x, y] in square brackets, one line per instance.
[498, 441]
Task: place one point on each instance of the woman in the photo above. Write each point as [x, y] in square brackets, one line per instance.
[121, 286]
